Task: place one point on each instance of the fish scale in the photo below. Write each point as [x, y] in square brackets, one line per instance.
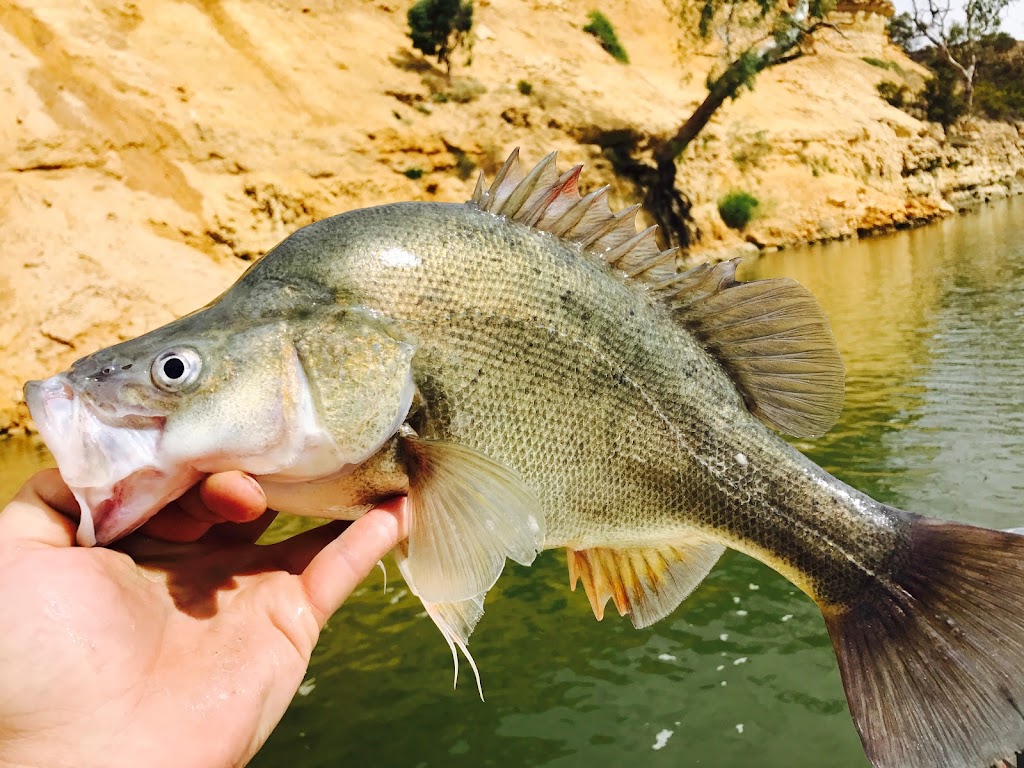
[532, 373]
[677, 411]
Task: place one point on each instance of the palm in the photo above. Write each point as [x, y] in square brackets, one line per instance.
[186, 655]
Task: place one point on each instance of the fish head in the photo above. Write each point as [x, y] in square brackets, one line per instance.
[132, 427]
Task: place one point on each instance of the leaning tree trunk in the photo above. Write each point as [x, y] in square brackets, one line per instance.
[669, 208]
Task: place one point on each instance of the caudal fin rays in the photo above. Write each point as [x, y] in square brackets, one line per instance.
[933, 660]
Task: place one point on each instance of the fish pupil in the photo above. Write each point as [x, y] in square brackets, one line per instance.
[174, 368]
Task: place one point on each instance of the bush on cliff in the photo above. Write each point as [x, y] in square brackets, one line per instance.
[602, 29]
[439, 27]
[737, 209]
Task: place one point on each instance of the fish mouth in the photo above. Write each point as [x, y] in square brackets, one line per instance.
[111, 464]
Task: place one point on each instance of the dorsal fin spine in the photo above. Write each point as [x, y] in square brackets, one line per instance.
[479, 193]
[613, 255]
[528, 186]
[509, 169]
[578, 213]
[621, 221]
[661, 260]
[546, 206]
[770, 336]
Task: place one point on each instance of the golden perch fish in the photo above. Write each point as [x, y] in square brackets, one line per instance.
[533, 373]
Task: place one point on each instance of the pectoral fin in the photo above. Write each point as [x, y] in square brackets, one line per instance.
[456, 620]
[467, 513]
[646, 583]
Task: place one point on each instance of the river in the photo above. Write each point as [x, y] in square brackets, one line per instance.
[929, 325]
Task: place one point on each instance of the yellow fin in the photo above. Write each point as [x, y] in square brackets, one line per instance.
[647, 583]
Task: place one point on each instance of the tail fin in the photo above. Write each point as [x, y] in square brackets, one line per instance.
[933, 661]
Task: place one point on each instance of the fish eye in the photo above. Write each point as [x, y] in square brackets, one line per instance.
[176, 369]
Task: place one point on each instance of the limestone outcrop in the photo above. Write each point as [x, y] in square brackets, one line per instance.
[151, 150]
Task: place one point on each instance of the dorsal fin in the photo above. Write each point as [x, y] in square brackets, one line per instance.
[770, 336]
[549, 202]
[773, 339]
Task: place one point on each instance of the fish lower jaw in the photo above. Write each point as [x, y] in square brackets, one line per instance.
[111, 513]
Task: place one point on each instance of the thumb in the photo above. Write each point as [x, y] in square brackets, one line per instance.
[337, 569]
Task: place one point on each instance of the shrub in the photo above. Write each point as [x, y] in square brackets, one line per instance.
[524, 87]
[413, 173]
[464, 165]
[902, 31]
[438, 27]
[749, 151]
[602, 29]
[894, 93]
[943, 100]
[882, 63]
[999, 103]
[737, 209]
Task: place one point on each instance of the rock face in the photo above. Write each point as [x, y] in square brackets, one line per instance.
[151, 150]
[862, 24]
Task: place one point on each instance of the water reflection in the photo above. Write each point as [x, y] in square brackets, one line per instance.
[929, 326]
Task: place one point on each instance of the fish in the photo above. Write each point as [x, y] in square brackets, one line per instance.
[533, 373]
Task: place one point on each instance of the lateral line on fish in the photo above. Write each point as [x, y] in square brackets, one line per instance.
[662, 416]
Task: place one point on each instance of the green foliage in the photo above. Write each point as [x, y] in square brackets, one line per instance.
[962, 46]
[897, 94]
[413, 173]
[737, 209]
[882, 64]
[464, 165]
[438, 27]
[524, 87]
[774, 18]
[902, 31]
[602, 29]
[818, 164]
[1001, 43]
[1000, 103]
[998, 88]
[999, 92]
[741, 74]
[943, 98]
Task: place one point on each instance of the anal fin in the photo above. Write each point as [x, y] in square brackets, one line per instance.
[648, 583]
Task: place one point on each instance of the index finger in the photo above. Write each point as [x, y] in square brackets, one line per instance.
[339, 567]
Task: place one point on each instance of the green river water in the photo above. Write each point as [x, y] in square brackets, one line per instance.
[929, 324]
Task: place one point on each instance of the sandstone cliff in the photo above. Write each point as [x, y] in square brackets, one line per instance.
[152, 148]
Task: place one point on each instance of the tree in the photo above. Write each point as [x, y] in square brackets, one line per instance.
[755, 35]
[438, 27]
[958, 43]
[902, 31]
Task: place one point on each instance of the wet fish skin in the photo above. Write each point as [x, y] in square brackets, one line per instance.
[525, 395]
[535, 357]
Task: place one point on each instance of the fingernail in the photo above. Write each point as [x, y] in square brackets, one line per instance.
[258, 488]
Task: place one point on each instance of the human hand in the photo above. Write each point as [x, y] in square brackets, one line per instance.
[179, 654]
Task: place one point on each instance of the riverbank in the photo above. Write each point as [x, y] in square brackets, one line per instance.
[156, 149]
